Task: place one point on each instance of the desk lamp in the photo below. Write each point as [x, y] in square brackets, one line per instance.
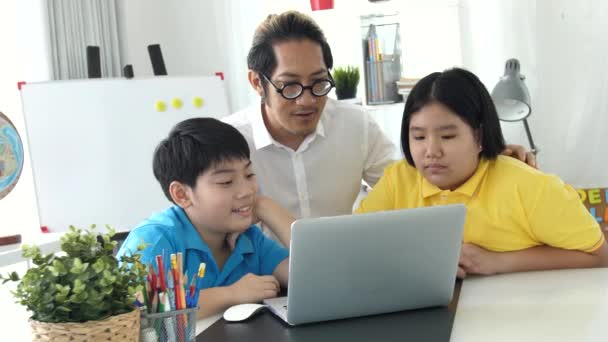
[512, 98]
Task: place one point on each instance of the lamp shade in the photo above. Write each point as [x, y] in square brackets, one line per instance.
[511, 95]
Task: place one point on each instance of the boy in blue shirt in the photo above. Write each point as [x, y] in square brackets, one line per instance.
[203, 167]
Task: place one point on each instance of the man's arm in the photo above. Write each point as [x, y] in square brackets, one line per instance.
[275, 217]
[477, 260]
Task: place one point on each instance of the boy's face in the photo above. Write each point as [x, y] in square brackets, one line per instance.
[223, 198]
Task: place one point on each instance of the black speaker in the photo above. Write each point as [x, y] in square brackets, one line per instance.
[156, 57]
[93, 62]
[127, 71]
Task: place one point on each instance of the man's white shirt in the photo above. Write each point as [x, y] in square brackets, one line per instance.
[323, 176]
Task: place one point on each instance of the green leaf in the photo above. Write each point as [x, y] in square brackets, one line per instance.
[99, 266]
[58, 268]
[30, 251]
[63, 308]
[78, 286]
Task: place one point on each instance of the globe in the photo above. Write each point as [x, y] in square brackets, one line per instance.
[11, 156]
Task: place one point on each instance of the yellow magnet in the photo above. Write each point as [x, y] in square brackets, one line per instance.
[176, 103]
[160, 106]
[198, 102]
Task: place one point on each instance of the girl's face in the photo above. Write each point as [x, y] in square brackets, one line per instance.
[445, 149]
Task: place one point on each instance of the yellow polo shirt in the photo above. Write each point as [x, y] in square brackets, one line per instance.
[510, 206]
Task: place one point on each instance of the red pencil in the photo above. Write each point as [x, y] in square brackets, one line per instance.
[161, 273]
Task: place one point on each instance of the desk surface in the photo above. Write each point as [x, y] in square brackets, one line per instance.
[565, 305]
[416, 325]
[433, 324]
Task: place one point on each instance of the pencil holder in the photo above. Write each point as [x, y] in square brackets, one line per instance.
[381, 43]
[170, 326]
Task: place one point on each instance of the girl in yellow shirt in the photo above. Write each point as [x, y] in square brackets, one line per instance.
[518, 218]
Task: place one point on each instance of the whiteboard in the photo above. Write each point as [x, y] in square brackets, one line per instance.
[91, 144]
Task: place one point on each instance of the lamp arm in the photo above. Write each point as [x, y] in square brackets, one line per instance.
[532, 146]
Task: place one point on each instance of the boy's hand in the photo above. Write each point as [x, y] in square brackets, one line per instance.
[519, 152]
[477, 260]
[252, 288]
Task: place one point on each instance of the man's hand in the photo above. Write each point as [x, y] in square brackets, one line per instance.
[252, 288]
[519, 152]
[477, 260]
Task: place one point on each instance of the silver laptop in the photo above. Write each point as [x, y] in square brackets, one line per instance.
[357, 265]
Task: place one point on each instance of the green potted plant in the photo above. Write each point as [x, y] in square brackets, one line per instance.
[84, 293]
[346, 80]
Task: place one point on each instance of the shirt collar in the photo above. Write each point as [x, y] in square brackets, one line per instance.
[261, 136]
[468, 188]
[244, 245]
[192, 239]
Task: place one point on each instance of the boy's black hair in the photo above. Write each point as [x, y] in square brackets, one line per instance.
[194, 146]
[277, 28]
[464, 94]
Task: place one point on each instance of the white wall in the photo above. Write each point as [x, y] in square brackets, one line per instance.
[197, 37]
[562, 46]
[188, 32]
[572, 102]
[202, 37]
[25, 57]
[493, 31]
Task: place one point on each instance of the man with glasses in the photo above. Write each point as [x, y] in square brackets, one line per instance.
[309, 153]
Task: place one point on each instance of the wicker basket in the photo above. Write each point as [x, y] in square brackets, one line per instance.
[123, 327]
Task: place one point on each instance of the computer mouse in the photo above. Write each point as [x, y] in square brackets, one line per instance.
[242, 312]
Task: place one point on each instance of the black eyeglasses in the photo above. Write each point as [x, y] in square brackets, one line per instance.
[293, 90]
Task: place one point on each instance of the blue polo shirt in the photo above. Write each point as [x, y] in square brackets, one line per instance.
[172, 231]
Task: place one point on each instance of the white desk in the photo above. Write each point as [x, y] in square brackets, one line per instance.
[567, 305]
